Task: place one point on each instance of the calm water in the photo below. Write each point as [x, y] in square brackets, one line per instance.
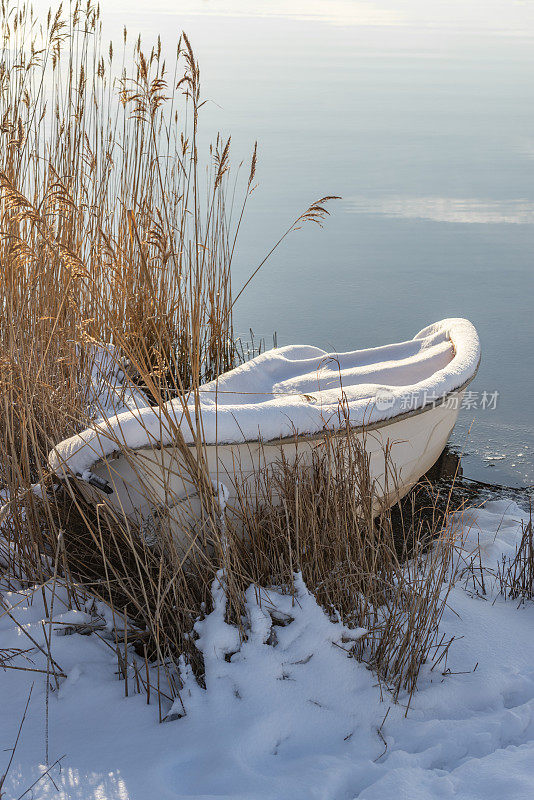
[421, 115]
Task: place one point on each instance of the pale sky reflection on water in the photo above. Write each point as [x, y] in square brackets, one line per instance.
[462, 210]
[501, 17]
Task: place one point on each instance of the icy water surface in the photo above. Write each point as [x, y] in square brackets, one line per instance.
[421, 115]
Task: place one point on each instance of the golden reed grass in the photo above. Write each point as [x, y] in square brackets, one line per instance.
[117, 237]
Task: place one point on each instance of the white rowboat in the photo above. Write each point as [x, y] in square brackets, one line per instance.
[403, 398]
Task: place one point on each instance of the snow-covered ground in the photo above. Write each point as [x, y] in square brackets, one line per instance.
[291, 718]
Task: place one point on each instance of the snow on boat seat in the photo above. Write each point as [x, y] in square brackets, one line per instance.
[293, 389]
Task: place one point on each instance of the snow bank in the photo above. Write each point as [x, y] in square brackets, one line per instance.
[287, 714]
[295, 389]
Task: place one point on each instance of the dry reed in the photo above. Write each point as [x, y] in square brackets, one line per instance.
[516, 575]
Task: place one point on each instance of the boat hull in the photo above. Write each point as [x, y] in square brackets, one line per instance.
[150, 482]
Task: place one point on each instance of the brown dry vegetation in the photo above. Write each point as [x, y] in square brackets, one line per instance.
[516, 574]
[115, 234]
